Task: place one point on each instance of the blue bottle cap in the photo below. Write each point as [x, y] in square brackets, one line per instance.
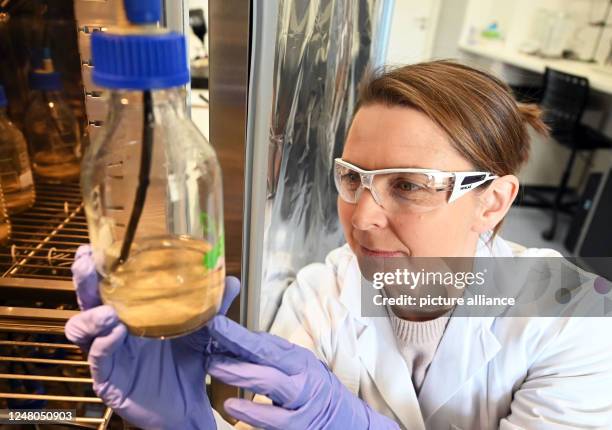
[143, 11]
[45, 81]
[3, 101]
[139, 61]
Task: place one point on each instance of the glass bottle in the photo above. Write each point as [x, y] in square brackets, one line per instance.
[51, 129]
[5, 223]
[152, 190]
[15, 171]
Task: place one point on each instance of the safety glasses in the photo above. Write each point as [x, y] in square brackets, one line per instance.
[398, 190]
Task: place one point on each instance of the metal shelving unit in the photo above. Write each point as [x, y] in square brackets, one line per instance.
[39, 367]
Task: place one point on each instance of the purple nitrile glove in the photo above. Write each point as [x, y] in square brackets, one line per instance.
[306, 395]
[85, 278]
[153, 384]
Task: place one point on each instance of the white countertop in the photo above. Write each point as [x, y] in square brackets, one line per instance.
[600, 77]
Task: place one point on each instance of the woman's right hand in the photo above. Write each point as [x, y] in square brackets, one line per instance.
[153, 384]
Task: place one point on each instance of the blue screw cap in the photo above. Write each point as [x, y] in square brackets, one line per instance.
[45, 81]
[143, 11]
[139, 61]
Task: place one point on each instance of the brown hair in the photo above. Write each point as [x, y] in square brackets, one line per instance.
[475, 109]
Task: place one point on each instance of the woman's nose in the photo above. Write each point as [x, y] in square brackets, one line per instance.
[368, 214]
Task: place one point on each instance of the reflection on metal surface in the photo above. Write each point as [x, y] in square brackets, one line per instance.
[228, 78]
[322, 51]
[229, 38]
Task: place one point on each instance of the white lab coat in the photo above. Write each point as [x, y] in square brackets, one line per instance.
[487, 373]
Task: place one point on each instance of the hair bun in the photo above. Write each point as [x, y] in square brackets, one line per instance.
[532, 115]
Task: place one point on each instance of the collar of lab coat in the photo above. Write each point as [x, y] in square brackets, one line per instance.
[467, 345]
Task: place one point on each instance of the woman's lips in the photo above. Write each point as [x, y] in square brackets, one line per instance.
[379, 252]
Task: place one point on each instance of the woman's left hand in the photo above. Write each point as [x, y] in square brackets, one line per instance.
[306, 395]
[152, 383]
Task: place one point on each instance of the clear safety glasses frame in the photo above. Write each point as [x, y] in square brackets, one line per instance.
[458, 183]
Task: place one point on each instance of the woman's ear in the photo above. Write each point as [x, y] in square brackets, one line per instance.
[495, 202]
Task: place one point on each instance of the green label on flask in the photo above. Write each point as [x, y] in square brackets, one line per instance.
[211, 258]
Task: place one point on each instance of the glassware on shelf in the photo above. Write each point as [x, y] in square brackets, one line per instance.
[5, 222]
[15, 170]
[51, 129]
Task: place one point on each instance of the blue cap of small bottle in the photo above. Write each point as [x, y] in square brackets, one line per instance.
[143, 11]
[140, 61]
[46, 81]
[41, 79]
[3, 101]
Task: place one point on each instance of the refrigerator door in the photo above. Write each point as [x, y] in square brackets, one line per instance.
[307, 58]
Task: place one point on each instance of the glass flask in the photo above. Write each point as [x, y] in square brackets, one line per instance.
[172, 281]
[15, 171]
[51, 129]
[152, 190]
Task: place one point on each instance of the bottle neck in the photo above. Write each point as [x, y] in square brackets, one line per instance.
[46, 95]
[174, 98]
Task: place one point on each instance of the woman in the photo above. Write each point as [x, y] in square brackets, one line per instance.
[409, 372]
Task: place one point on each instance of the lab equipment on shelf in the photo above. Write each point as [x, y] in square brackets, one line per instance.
[51, 128]
[15, 170]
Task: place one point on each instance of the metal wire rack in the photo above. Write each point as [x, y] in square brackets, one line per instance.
[45, 238]
[39, 368]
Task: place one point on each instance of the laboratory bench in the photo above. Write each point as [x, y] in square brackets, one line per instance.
[599, 76]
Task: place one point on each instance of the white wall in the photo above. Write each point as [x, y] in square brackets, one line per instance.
[412, 32]
[450, 24]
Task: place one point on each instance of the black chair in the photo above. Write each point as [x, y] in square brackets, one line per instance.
[198, 23]
[563, 102]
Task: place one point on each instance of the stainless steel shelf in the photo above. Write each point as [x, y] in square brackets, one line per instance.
[37, 363]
